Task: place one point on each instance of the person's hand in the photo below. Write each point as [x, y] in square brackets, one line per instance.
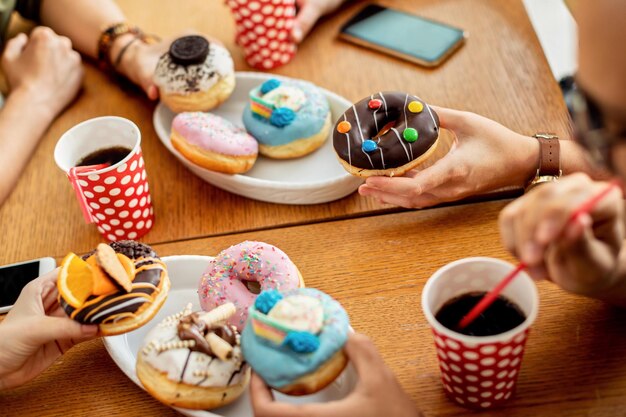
[487, 156]
[36, 332]
[377, 393]
[580, 255]
[45, 67]
[309, 13]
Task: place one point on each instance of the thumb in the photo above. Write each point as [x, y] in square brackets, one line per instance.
[14, 47]
[449, 118]
[363, 355]
[306, 18]
[47, 329]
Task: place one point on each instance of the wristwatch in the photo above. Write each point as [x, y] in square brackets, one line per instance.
[549, 168]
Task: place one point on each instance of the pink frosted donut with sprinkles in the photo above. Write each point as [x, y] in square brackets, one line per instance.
[239, 273]
[213, 142]
[387, 133]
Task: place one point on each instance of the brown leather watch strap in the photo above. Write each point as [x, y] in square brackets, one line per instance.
[550, 156]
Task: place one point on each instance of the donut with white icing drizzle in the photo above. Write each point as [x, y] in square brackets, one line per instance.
[194, 360]
[387, 133]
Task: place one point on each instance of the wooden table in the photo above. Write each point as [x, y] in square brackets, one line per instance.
[380, 257]
[377, 269]
[500, 73]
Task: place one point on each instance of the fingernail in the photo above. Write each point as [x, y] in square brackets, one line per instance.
[89, 330]
[297, 34]
[531, 252]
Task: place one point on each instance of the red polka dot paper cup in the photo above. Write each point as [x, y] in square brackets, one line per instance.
[115, 198]
[264, 31]
[479, 371]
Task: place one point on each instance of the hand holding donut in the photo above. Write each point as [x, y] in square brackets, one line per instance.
[487, 156]
[36, 332]
[377, 393]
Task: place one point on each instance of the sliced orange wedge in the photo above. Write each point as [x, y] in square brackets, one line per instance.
[75, 280]
[102, 283]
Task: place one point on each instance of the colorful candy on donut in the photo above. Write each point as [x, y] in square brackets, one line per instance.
[387, 133]
[289, 118]
[294, 340]
[238, 274]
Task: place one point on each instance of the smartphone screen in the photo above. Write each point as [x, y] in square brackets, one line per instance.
[409, 36]
[14, 277]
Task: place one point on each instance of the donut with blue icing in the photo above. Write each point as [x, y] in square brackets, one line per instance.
[387, 133]
[289, 118]
[294, 340]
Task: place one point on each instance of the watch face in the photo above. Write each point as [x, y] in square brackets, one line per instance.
[541, 180]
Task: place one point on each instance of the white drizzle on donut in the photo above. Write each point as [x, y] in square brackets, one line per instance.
[358, 123]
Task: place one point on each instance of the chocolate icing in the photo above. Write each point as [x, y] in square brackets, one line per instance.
[191, 327]
[189, 50]
[392, 149]
[144, 256]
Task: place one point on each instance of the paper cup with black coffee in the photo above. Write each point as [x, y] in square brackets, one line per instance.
[103, 161]
[479, 369]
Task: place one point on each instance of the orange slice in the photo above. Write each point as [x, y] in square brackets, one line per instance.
[102, 283]
[75, 280]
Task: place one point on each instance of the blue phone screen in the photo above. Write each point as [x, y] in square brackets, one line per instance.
[407, 34]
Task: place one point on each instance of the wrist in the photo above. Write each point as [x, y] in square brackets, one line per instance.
[28, 98]
[527, 160]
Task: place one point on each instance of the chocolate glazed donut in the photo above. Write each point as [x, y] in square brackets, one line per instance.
[387, 133]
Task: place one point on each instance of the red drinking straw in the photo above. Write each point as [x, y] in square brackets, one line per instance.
[491, 296]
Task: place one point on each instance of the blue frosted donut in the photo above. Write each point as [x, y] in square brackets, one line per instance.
[283, 111]
[281, 355]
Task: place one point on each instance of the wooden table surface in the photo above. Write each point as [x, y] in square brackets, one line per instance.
[379, 261]
[501, 72]
[573, 364]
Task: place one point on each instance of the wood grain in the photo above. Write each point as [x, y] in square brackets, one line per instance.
[501, 72]
[377, 269]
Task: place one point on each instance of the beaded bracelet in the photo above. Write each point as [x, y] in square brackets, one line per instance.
[108, 36]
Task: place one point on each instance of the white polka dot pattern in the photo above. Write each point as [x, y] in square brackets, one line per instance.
[119, 200]
[263, 31]
[481, 375]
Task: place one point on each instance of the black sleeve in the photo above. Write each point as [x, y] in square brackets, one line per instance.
[29, 9]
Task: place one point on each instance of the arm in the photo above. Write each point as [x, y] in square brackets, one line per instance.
[44, 74]
[487, 156]
[586, 255]
[83, 22]
[310, 12]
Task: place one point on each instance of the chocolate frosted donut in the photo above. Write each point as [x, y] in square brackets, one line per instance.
[387, 133]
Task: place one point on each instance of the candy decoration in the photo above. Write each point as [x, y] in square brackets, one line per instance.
[266, 300]
[369, 145]
[410, 135]
[416, 106]
[282, 117]
[302, 342]
[374, 104]
[344, 127]
[269, 85]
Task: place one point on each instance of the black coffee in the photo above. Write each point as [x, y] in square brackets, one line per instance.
[109, 156]
[501, 316]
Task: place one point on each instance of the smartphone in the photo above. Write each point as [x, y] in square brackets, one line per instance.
[403, 35]
[15, 276]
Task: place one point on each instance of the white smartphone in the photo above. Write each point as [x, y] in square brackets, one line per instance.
[15, 276]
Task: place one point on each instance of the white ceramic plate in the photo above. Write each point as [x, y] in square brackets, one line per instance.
[315, 178]
[185, 273]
